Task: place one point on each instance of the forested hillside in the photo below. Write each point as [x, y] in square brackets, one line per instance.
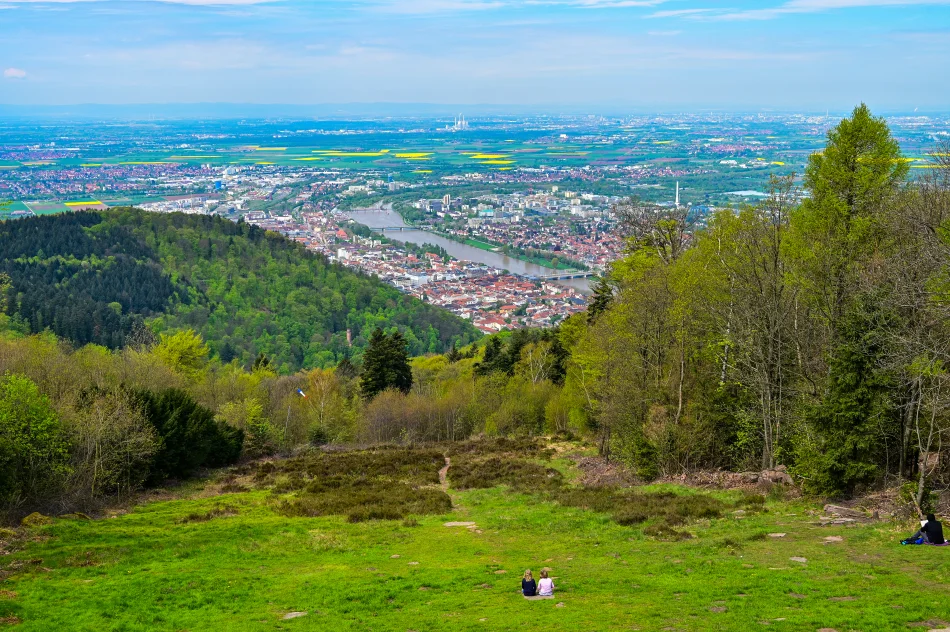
[95, 277]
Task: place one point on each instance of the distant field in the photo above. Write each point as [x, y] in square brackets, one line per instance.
[242, 560]
[421, 153]
[708, 158]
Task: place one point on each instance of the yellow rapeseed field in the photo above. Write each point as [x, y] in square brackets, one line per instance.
[351, 154]
[86, 203]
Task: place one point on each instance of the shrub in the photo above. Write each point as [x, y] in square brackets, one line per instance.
[907, 496]
[751, 500]
[226, 445]
[635, 508]
[419, 466]
[361, 499]
[260, 436]
[190, 435]
[34, 452]
[517, 474]
[36, 519]
[112, 445]
[220, 511]
[663, 532]
[521, 446]
[379, 484]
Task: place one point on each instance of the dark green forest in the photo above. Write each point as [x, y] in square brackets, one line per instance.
[98, 277]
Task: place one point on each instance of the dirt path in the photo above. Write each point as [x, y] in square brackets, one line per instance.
[444, 473]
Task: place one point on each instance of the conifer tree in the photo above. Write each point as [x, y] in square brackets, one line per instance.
[603, 297]
[385, 364]
[345, 369]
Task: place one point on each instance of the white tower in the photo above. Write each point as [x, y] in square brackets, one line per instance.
[677, 194]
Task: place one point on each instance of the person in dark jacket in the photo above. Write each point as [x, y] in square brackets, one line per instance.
[930, 532]
[529, 588]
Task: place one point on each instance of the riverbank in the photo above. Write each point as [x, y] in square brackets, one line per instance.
[500, 248]
[379, 219]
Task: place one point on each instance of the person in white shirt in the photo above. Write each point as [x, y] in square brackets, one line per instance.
[545, 585]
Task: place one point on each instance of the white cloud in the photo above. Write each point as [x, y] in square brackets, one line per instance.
[436, 6]
[11, 3]
[451, 6]
[816, 6]
[14, 73]
[610, 4]
[680, 13]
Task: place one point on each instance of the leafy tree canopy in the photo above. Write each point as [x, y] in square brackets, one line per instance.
[98, 276]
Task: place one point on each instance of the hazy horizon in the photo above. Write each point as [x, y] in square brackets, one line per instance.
[397, 111]
[647, 55]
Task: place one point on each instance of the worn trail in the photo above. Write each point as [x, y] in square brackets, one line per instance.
[444, 475]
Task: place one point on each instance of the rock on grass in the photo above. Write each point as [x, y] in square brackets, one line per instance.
[294, 615]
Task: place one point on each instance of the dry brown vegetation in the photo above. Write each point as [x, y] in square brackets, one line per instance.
[523, 476]
[385, 483]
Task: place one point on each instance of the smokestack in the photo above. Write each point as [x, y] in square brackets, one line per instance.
[677, 194]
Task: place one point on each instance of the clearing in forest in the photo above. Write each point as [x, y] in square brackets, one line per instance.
[359, 541]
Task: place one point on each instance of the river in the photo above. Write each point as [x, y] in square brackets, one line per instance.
[387, 218]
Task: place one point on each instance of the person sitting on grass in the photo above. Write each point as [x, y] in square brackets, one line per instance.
[930, 532]
[546, 585]
[529, 588]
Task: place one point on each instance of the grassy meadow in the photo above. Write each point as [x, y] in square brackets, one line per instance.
[244, 548]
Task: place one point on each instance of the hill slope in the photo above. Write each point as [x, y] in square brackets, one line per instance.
[92, 276]
[235, 554]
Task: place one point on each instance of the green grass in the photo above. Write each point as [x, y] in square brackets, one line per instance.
[234, 562]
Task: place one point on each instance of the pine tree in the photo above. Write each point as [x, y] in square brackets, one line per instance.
[345, 369]
[491, 358]
[262, 362]
[400, 371]
[385, 365]
[603, 297]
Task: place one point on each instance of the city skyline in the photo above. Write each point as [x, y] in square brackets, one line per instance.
[594, 54]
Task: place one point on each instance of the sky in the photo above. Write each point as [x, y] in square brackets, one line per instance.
[656, 55]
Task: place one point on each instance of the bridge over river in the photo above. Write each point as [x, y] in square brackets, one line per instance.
[563, 276]
[386, 220]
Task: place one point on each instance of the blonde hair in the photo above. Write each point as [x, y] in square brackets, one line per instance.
[527, 575]
[544, 574]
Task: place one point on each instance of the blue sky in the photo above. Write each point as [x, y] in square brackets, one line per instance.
[649, 54]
